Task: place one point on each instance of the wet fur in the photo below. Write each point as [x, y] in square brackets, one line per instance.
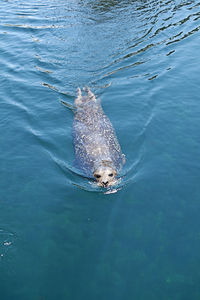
[94, 138]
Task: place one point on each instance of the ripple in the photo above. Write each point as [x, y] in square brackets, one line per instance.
[162, 34]
[76, 178]
[29, 26]
[44, 71]
[184, 36]
[104, 44]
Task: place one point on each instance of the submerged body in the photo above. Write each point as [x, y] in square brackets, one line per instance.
[97, 151]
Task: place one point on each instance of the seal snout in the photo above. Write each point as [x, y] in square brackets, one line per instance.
[105, 183]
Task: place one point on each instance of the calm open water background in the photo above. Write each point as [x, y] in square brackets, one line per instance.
[60, 237]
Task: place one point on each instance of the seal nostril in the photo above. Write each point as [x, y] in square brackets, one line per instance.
[105, 183]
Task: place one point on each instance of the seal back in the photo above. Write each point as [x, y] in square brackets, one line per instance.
[94, 137]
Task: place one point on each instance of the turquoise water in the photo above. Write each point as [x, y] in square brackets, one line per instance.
[61, 237]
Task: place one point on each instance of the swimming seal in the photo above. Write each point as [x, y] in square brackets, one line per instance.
[97, 150]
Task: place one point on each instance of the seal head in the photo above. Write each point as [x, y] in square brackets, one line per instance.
[105, 174]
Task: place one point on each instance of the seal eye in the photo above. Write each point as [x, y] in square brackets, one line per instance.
[111, 174]
[97, 175]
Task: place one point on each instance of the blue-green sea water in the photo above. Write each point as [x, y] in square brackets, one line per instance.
[61, 237]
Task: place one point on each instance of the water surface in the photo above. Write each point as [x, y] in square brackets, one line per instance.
[60, 237]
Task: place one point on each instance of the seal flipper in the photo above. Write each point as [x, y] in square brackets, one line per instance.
[89, 93]
[78, 101]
